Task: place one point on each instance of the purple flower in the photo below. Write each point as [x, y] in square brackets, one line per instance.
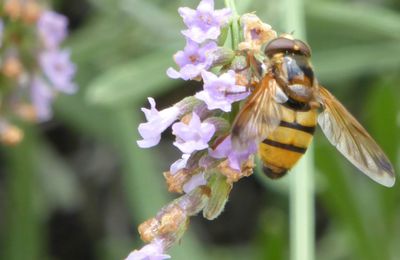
[52, 28]
[42, 98]
[193, 136]
[220, 92]
[157, 122]
[179, 164]
[235, 157]
[1, 32]
[194, 182]
[192, 60]
[153, 251]
[58, 69]
[204, 23]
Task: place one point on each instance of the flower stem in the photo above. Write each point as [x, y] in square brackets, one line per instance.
[234, 26]
[302, 228]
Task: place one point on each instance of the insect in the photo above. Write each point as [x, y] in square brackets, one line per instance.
[284, 108]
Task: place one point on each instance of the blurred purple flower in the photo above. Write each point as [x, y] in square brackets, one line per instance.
[42, 98]
[179, 164]
[152, 251]
[220, 92]
[204, 23]
[194, 136]
[59, 69]
[192, 60]
[235, 157]
[52, 28]
[1, 32]
[157, 122]
[194, 182]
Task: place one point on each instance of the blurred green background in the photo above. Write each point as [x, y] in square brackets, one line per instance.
[77, 187]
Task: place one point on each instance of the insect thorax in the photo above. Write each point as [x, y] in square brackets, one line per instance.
[295, 76]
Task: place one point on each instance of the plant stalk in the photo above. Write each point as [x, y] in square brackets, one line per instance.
[302, 229]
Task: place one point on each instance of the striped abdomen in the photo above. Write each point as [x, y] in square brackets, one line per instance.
[284, 147]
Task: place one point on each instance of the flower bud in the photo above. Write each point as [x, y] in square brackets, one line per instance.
[10, 135]
[13, 9]
[256, 33]
[12, 67]
[222, 56]
[27, 112]
[176, 181]
[220, 190]
[195, 201]
[169, 224]
[148, 230]
[31, 12]
[233, 175]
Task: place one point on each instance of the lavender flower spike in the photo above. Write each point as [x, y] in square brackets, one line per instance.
[157, 122]
[153, 251]
[1, 32]
[52, 28]
[192, 60]
[204, 23]
[59, 69]
[193, 136]
[220, 92]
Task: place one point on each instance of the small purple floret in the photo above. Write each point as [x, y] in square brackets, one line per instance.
[157, 122]
[194, 136]
[152, 251]
[194, 182]
[220, 92]
[179, 164]
[204, 23]
[235, 157]
[192, 60]
[59, 69]
[52, 28]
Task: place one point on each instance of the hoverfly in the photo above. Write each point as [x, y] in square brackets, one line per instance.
[282, 112]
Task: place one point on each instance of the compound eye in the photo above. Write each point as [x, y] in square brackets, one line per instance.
[278, 45]
[285, 45]
[302, 48]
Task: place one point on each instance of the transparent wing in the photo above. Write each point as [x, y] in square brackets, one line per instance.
[259, 116]
[353, 141]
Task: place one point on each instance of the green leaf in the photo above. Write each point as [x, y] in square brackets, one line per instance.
[361, 18]
[352, 61]
[132, 82]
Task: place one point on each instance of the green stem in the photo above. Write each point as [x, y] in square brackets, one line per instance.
[234, 26]
[302, 230]
[24, 239]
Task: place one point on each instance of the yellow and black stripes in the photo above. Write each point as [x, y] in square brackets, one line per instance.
[288, 147]
[284, 147]
[297, 126]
